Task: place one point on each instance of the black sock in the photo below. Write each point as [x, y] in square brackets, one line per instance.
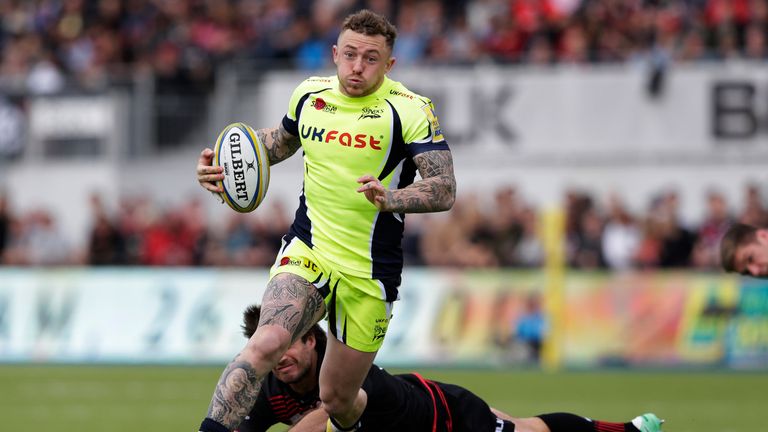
[210, 425]
[566, 422]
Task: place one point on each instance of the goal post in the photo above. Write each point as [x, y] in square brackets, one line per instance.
[553, 238]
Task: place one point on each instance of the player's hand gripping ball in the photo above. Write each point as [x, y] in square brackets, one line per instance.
[246, 167]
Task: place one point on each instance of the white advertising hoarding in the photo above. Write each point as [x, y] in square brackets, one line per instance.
[447, 317]
[594, 115]
[195, 315]
[124, 316]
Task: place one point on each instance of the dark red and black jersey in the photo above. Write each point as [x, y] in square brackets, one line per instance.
[278, 403]
[405, 403]
[411, 403]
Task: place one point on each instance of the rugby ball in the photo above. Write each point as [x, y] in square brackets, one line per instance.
[246, 167]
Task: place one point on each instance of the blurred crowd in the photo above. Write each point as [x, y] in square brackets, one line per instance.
[597, 235]
[44, 43]
[505, 232]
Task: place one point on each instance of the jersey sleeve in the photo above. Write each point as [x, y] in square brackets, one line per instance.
[291, 118]
[299, 95]
[421, 128]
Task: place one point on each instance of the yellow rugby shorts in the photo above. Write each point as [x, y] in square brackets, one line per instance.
[358, 313]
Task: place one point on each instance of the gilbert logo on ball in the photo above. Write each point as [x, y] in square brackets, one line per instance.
[246, 167]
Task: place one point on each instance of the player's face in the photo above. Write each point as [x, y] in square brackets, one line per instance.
[752, 259]
[361, 61]
[295, 365]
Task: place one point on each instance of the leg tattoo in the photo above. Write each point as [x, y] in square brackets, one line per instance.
[293, 303]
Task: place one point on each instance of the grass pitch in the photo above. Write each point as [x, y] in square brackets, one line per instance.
[162, 399]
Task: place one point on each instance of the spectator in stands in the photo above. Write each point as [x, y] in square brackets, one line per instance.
[15, 249]
[195, 222]
[413, 255]
[530, 327]
[676, 240]
[45, 76]
[587, 244]
[529, 251]
[754, 212]
[240, 240]
[621, 236]
[706, 252]
[96, 42]
[106, 245]
[412, 39]
[45, 245]
[503, 221]
[14, 62]
[692, 46]
[540, 51]
[755, 46]
[456, 46]
[583, 230]
[273, 221]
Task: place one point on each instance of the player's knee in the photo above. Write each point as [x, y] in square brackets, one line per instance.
[335, 401]
[266, 347]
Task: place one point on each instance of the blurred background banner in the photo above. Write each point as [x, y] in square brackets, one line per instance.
[130, 316]
[445, 318]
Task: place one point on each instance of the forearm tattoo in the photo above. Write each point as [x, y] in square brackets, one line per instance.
[280, 144]
[235, 394]
[436, 191]
[290, 302]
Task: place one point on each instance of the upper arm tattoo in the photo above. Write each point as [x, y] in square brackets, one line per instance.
[434, 163]
[436, 191]
[280, 143]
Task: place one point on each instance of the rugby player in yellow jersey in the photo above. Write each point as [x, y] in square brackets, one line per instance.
[363, 137]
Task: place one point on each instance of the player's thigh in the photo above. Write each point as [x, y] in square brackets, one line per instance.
[291, 302]
[358, 313]
[344, 369]
[292, 299]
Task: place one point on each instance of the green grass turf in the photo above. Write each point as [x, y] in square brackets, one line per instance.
[162, 399]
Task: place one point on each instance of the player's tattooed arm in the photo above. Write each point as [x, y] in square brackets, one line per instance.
[436, 191]
[235, 394]
[290, 302]
[279, 142]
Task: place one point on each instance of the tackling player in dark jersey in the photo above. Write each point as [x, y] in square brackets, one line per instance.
[404, 403]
